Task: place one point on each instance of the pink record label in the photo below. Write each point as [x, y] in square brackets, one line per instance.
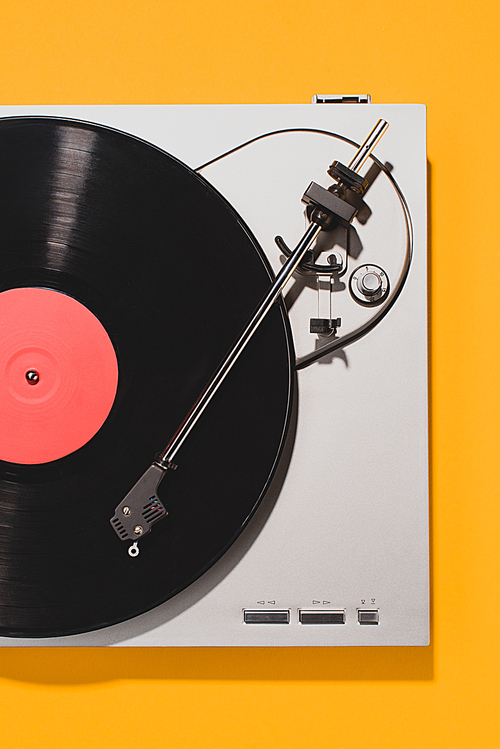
[58, 375]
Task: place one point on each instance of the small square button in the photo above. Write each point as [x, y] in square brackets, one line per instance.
[368, 617]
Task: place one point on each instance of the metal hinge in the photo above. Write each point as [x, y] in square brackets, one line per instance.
[341, 99]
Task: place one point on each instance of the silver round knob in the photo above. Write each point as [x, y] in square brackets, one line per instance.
[369, 283]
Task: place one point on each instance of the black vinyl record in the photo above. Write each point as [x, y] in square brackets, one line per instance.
[172, 274]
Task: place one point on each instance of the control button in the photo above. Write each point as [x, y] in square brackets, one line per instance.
[266, 617]
[367, 617]
[322, 617]
[369, 285]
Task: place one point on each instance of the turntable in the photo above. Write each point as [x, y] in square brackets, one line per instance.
[213, 375]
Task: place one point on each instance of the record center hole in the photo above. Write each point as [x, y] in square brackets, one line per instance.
[32, 376]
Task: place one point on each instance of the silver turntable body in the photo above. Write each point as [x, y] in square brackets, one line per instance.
[338, 552]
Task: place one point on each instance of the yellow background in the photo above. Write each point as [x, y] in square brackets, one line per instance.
[446, 56]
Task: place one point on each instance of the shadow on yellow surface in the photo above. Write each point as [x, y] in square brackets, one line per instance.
[74, 666]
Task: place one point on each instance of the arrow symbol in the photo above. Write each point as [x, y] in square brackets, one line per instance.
[271, 601]
[262, 602]
[316, 601]
[326, 601]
